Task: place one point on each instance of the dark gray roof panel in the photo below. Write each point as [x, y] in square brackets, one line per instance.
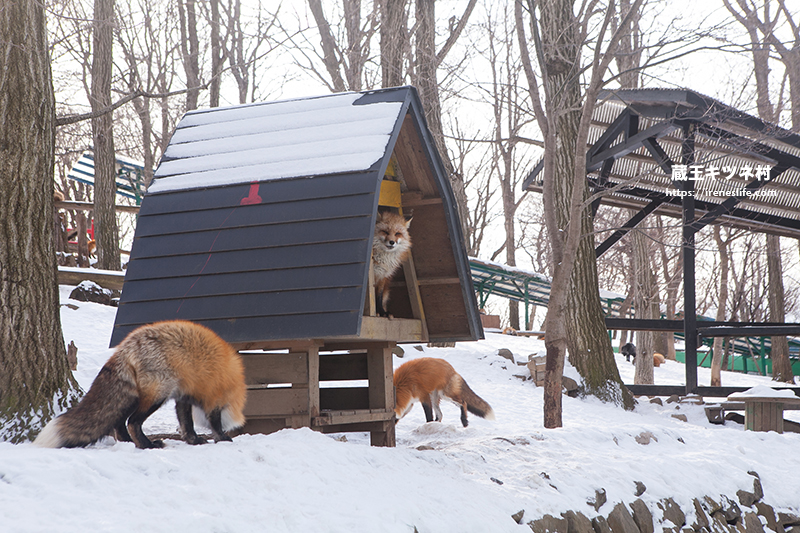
[307, 232]
[240, 330]
[221, 262]
[279, 191]
[249, 305]
[317, 276]
[249, 260]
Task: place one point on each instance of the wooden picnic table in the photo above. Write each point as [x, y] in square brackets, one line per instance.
[762, 412]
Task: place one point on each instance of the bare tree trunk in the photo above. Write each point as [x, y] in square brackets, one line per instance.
[574, 315]
[624, 308]
[190, 50]
[781, 365]
[673, 281]
[105, 174]
[645, 306]
[357, 45]
[329, 55]
[425, 65]
[724, 270]
[35, 381]
[394, 41]
[217, 55]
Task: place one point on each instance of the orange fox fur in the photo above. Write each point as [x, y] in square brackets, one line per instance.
[390, 246]
[658, 359]
[173, 359]
[426, 380]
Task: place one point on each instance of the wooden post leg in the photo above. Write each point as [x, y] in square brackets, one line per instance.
[381, 391]
[412, 284]
[313, 383]
[370, 307]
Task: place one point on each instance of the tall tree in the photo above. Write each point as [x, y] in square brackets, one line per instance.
[779, 353]
[345, 58]
[426, 64]
[394, 43]
[35, 382]
[645, 305]
[105, 182]
[245, 47]
[672, 277]
[190, 51]
[723, 246]
[574, 315]
[762, 37]
[508, 120]
[217, 55]
[645, 287]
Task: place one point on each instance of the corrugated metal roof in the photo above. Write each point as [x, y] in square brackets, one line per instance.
[725, 138]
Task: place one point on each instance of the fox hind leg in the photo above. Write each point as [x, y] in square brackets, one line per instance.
[121, 428]
[135, 427]
[183, 408]
[464, 420]
[215, 420]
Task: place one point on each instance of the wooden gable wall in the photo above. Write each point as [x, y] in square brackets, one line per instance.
[439, 255]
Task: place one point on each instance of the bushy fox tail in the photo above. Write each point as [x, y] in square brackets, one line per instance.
[475, 404]
[111, 399]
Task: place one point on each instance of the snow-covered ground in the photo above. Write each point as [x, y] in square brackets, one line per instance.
[440, 477]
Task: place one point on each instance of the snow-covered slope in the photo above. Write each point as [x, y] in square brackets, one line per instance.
[440, 478]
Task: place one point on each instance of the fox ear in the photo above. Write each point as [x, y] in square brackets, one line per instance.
[408, 221]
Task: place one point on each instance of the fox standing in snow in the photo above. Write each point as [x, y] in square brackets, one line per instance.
[172, 359]
[390, 246]
[426, 380]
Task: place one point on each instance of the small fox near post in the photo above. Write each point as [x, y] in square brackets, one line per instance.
[390, 246]
[426, 380]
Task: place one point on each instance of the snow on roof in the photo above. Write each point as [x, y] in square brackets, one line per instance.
[267, 141]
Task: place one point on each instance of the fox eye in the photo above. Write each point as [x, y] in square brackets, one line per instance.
[385, 232]
[398, 235]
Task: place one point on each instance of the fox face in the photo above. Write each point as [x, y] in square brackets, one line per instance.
[391, 233]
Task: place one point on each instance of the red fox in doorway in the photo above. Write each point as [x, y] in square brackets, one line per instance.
[426, 380]
[390, 246]
[172, 359]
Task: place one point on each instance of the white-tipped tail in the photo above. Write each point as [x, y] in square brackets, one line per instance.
[230, 422]
[489, 414]
[50, 436]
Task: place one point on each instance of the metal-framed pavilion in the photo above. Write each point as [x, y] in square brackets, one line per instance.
[130, 175]
[679, 153]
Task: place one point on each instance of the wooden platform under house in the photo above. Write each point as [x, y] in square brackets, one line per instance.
[259, 225]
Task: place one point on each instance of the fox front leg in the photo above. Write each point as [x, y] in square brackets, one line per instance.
[426, 406]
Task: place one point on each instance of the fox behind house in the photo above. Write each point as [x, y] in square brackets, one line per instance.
[172, 359]
[426, 380]
[390, 246]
